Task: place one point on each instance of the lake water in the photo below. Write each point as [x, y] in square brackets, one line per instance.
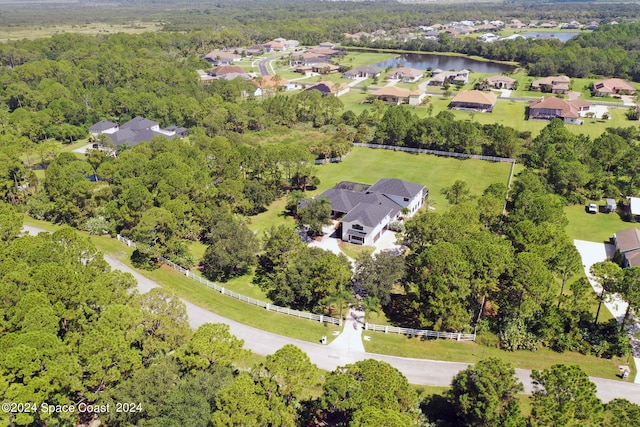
[563, 37]
[422, 61]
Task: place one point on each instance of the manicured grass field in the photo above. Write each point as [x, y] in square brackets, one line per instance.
[357, 59]
[594, 228]
[471, 352]
[367, 165]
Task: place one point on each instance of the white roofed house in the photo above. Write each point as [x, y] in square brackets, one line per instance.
[367, 211]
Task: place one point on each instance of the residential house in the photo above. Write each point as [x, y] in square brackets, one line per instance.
[229, 72]
[592, 25]
[555, 108]
[287, 44]
[273, 46]
[438, 77]
[366, 211]
[573, 25]
[329, 88]
[501, 82]
[406, 74]
[611, 87]
[325, 51]
[222, 57]
[103, 126]
[552, 84]
[396, 96]
[627, 243]
[475, 100]
[269, 84]
[488, 38]
[366, 71]
[325, 68]
[135, 131]
[256, 49]
[327, 45]
[516, 23]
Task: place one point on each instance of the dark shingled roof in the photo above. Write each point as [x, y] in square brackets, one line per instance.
[396, 187]
[102, 126]
[139, 123]
[627, 240]
[368, 214]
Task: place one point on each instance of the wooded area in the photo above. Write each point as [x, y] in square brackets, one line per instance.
[72, 330]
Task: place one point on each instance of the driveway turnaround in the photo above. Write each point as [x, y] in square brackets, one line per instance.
[329, 357]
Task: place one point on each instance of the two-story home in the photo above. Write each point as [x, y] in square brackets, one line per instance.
[366, 211]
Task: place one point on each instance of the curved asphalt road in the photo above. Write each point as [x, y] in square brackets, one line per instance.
[417, 371]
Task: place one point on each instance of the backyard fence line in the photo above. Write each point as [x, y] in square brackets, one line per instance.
[303, 314]
[437, 152]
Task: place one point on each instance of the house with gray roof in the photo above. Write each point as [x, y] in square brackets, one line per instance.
[137, 130]
[366, 211]
[367, 71]
[627, 243]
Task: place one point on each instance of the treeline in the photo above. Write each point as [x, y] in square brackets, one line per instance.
[579, 168]
[184, 185]
[610, 50]
[399, 126]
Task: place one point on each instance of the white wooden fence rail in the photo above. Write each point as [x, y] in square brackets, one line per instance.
[436, 152]
[303, 314]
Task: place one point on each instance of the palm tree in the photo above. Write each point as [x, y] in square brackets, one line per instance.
[342, 296]
[370, 304]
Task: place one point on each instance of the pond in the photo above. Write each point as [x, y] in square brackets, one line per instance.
[422, 61]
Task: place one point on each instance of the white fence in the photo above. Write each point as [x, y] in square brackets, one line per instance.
[436, 152]
[420, 332]
[291, 312]
[303, 314]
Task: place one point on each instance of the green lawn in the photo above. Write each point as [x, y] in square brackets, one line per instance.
[355, 251]
[357, 59]
[367, 165]
[594, 228]
[470, 352]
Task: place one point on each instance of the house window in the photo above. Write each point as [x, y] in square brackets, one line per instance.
[406, 199]
[357, 227]
[357, 239]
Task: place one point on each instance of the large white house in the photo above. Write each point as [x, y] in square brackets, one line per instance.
[367, 211]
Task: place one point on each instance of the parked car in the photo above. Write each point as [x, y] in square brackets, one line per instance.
[592, 208]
